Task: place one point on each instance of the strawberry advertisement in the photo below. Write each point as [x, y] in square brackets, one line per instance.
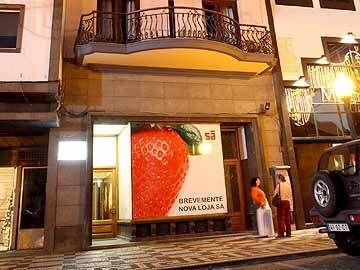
[177, 170]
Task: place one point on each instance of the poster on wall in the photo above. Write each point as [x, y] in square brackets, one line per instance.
[177, 170]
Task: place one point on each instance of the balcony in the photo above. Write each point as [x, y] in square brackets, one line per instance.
[175, 38]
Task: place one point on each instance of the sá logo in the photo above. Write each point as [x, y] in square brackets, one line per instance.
[210, 136]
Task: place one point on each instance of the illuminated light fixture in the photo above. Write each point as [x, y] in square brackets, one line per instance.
[349, 38]
[72, 150]
[301, 83]
[343, 86]
[322, 60]
[205, 148]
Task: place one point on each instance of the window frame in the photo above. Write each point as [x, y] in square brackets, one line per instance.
[20, 27]
[296, 3]
[338, 5]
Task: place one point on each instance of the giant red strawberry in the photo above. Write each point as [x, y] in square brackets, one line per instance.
[159, 166]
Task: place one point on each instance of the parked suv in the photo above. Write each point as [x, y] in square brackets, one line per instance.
[336, 196]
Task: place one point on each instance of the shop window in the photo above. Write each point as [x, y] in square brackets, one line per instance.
[299, 3]
[338, 4]
[11, 27]
[33, 198]
[337, 51]
[325, 118]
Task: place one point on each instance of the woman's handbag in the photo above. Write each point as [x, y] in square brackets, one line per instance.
[276, 199]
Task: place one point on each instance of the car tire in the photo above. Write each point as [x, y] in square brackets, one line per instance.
[326, 194]
[346, 243]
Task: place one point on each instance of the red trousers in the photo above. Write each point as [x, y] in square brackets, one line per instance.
[284, 218]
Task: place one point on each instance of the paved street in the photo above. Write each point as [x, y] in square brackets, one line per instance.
[174, 254]
[338, 261]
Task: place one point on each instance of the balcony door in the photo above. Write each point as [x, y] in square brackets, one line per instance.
[234, 179]
[219, 27]
[113, 25]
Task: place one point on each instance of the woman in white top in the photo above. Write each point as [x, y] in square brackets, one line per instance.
[286, 205]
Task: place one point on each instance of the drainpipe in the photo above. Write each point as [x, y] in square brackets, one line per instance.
[286, 135]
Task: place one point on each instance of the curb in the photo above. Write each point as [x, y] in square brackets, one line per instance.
[256, 260]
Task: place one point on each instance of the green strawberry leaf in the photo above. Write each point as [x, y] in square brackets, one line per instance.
[189, 133]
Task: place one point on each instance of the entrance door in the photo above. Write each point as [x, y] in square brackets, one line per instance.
[104, 204]
[230, 138]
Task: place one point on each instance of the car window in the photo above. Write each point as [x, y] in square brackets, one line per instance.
[343, 160]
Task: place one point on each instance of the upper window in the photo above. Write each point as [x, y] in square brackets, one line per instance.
[11, 27]
[299, 3]
[338, 4]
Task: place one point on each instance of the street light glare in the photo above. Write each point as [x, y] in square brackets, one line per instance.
[343, 86]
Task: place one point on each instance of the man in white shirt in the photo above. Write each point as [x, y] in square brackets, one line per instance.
[286, 205]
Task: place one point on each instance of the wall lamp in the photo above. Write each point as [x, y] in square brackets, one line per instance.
[322, 60]
[349, 39]
[301, 83]
[264, 107]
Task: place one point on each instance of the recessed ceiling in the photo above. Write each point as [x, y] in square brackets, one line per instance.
[108, 130]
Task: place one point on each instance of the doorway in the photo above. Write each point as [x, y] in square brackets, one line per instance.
[111, 182]
[234, 177]
[104, 204]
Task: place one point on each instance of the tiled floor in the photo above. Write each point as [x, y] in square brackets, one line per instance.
[169, 255]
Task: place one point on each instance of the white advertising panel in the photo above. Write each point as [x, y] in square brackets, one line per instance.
[177, 170]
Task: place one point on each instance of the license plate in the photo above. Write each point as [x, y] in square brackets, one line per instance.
[338, 227]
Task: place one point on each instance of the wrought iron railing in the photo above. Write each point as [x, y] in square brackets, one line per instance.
[172, 22]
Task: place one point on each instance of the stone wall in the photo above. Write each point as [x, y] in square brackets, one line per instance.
[176, 96]
[66, 191]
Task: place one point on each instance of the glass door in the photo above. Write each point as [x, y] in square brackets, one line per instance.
[104, 201]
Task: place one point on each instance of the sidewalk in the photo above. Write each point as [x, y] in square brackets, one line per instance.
[175, 254]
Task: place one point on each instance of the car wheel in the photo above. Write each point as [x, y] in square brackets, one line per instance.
[347, 244]
[326, 194]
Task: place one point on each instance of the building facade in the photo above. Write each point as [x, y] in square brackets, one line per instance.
[30, 46]
[163, 112]
[316, 39]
